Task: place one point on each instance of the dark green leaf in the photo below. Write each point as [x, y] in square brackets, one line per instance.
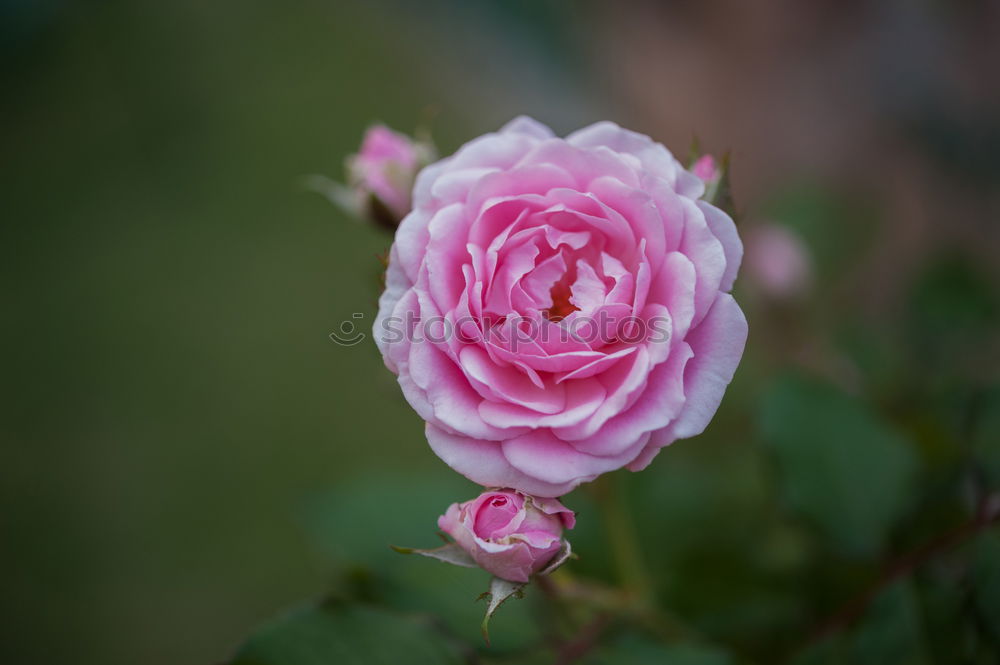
[841, 466]
[341, 634]
[890, 631]
[952, 317]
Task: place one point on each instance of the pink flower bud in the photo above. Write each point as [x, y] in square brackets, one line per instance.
[778, 262]
[383, 172]
[508, 533]
[706, 169]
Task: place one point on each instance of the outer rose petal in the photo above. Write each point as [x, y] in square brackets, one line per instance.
[483, 462]
[396, 285]
[522, 124]
[718, 346]
[653, 156]
[724, 229]
[513, 563]
[436, 384]
[541, 455]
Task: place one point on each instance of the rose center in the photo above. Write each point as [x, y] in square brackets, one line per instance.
[561, 306]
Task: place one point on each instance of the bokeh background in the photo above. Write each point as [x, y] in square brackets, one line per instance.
[185, 452]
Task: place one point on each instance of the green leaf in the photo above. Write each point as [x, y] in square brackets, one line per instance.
[952, 315]
[890, 631]
[952, 634]
[841, 466]
[341, 634]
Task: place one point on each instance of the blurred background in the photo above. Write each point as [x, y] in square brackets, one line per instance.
[185, 452]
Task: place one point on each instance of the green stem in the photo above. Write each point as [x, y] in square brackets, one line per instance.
[635, 599]
[619, 525]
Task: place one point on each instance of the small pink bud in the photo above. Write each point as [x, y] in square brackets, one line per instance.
[508, 533]
[383, 171]
[778, 262]
[706, 168]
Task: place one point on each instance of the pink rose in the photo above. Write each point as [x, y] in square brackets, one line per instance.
[384, 169]
[778, 262]
[705, 168]
[508, 533]
[559, 308]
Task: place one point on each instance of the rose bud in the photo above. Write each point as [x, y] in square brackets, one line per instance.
[706, 169]
[382, 174]
[778, 262]
[508, 533]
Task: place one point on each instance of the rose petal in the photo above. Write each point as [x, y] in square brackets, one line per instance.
[541, 455]
[718, 346]
[483, 462]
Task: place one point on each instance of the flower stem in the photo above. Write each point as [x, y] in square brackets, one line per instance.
[619, 525]
[636, 599]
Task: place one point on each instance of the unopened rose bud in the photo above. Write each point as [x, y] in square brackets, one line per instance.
[508, 533]
[706, 168]
[777, 262]
[383, 171]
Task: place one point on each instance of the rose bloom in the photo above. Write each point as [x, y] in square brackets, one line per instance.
[507, 533]
[705, 168]
[579, 295]
[778, 262]
[385, 168]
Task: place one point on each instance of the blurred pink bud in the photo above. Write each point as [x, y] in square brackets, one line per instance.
[383, 171]
[508, 533]
[706, 168]
[778, 261]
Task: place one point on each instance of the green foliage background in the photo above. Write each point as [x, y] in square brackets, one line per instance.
[185, 452]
